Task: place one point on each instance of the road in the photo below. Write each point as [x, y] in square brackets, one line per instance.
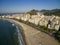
[36, 37]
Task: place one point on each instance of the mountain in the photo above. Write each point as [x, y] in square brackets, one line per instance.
[33, 12]
[51, 12]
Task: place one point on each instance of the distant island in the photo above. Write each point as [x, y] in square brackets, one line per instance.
[1, 14]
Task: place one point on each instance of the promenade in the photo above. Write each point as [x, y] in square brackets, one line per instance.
[36, 37]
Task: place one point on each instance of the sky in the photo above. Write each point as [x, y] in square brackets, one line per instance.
[12, 6]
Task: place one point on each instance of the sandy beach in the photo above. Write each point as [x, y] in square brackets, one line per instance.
[36, 37]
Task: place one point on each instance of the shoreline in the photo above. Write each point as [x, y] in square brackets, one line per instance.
[20, 32]
[30, 33]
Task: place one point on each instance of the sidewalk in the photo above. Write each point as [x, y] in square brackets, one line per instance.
[36, 37]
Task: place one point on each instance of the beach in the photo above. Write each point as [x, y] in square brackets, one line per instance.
[36, 37]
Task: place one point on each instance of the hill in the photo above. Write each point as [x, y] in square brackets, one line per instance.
[51, 12]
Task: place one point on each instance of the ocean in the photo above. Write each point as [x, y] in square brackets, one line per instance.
[8, 33]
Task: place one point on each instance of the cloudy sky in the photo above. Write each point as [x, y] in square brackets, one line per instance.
[26, 5]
